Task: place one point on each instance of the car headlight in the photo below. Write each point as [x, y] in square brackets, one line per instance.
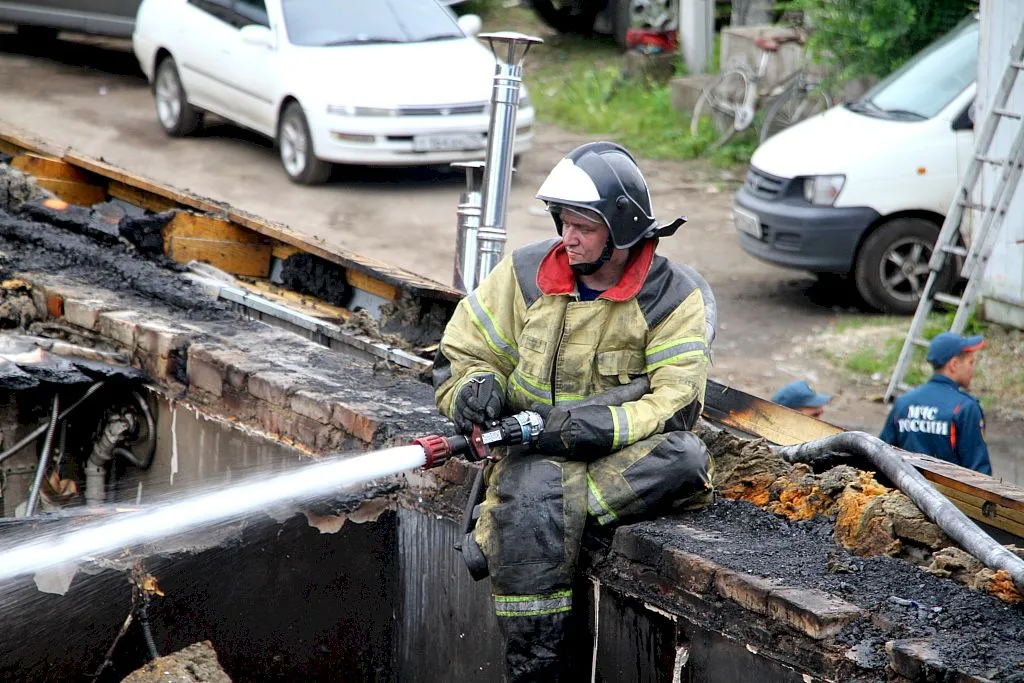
[350, 110]
[822, 190]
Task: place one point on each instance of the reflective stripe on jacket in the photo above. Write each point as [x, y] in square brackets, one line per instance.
[526, 324]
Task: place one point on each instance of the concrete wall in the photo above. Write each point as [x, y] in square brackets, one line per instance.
[1003, 287]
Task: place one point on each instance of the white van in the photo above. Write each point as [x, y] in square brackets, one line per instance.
[861, 191]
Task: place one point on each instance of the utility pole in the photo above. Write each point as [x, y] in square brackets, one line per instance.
[696, 34]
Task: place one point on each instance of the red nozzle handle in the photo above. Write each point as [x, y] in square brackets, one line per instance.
[436, 449]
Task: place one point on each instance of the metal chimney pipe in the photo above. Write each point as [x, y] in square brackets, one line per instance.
[468, 226]
[509, 50]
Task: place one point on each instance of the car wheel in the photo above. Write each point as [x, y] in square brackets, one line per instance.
[564, 18]
[177, 117]
[892, 267]
[295, 145]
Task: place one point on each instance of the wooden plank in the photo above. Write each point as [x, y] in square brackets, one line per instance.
[79, 194]
[140, 198]
[13, 142]
[144, 185]
[349, 259]
[306, 304]
[967, 481]
[762, 418]
[283, 251]
[67, 182]
[217, 241]
[398, 277]
[251, 260]
[209, 227]
[993, 516]
[370, 284]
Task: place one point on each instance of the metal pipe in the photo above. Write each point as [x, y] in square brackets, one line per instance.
[126, 453]
[907, 479]
[103, 450]
[509, 50]
[32, 436]
[44, 457]
[468, 226]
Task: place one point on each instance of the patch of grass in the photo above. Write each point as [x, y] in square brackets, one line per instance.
[584, 96]
[872, 361]
[865, 349]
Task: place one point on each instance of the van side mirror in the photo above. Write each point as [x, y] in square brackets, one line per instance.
[254, 34]
[965, 119]
[470, 24]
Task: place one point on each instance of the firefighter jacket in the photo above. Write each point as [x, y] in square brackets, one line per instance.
[526, 324]
[940, 419]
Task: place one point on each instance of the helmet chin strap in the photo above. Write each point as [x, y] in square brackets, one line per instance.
[594, 266]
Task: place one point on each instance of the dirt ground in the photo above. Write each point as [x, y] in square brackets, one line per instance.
[94, 99]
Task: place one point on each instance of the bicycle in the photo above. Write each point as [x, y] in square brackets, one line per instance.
[730, 99]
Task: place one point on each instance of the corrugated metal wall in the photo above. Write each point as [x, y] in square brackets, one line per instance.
[1003, 287]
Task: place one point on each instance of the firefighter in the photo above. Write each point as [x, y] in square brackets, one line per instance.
[801, 397]
[940, 418]
[555, 322]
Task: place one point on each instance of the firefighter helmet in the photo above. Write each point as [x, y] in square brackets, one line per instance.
[603, 177]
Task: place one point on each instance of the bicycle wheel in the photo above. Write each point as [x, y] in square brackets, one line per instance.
[722, 101]
[800, 100]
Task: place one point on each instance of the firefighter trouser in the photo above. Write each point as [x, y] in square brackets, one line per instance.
[531, 524]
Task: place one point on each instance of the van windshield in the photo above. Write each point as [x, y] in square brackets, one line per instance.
[923, 87]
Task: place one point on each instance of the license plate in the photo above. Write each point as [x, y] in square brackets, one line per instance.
[447, 143]
[747, 222]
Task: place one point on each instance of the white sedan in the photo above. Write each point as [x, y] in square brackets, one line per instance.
[376, 82]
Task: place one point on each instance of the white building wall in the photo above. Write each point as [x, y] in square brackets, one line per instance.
[1003, 286]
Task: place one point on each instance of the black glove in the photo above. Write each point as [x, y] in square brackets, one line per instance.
[479, 401]
[583, 433]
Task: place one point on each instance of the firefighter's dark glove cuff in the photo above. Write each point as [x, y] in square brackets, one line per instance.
[583, 433]
[556, 439]
[479, 401]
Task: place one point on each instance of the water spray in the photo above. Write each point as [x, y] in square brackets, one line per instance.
[330, 476]
[106, 535]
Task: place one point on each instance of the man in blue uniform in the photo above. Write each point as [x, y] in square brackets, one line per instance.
[940, 418]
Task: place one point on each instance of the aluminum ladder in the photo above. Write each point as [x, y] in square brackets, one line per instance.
[984, 239]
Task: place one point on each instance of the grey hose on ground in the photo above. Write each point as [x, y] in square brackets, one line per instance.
[907, 479]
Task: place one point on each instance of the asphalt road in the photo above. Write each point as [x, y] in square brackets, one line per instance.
[92, 97]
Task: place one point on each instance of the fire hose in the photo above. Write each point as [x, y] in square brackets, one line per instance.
[521, 429]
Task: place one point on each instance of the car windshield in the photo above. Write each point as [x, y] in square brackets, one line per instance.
[923, 87]
[324, 23]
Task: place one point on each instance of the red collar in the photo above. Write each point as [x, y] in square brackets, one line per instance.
[555, 276]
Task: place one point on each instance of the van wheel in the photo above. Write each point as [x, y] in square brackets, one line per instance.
[177, 117]
[295, 145]
[892, 268]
